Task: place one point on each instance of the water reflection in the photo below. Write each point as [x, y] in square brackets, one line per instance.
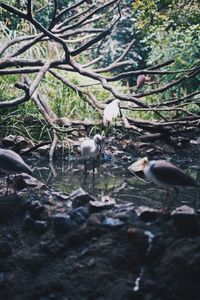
[113, 179]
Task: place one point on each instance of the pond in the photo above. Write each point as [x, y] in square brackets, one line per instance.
[113, 178]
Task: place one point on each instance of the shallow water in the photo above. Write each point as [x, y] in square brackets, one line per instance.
[112, 178]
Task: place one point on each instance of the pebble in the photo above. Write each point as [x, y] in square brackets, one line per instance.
[80, 197]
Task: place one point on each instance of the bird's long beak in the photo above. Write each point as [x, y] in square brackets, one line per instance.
[137, 166]
[101, 146]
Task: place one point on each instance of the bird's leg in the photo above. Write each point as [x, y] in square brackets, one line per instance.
[165, 207]
[173, 198]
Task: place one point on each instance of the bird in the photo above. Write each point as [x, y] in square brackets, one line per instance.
[140, 81]
[164, 174]
[111, 111]
[90, 148]
[12, 163]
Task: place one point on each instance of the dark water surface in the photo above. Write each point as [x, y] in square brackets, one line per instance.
[112, 178]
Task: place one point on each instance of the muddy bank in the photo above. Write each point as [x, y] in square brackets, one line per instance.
[59, 246]
[74, 245]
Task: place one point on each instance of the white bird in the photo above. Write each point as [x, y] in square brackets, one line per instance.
[11, 163]
[111, 111]
[90, 149]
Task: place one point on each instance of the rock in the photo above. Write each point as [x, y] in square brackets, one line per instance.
[80, 197]
[60, 195]
[106, 203]
[112, 222]
[35, 208]
[62, 223]
[148, 214]
[185, 220]
[5, 249]
[15, 141]
[40, 226]
[79, 214]
[23, 180]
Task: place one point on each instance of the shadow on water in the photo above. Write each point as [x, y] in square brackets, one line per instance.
[113, 179]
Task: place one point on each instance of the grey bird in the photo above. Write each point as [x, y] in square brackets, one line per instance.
[11, 163]
[163, 174]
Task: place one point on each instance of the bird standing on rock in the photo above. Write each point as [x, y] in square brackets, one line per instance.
[11, 163]
[90, 149]
[111, 111]
[163, 174]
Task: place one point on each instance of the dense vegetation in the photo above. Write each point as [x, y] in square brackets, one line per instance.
[158, 30]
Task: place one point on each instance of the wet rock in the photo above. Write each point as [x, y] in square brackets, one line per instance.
[112, 222]
[79, 214]
[62, 223]
[35, 208]
[106, 203]
[125, 212]
[16, 142]
[185, 220]
[80, 198]
[5, 249]
[43, 150]
[23, 180]
[40, 226]
[148, 214]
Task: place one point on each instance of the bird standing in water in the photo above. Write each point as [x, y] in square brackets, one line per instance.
[11, 163]
[90, 149]
[111, 111]
[163, 174]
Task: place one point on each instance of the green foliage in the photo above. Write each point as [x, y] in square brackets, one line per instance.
[172, 31]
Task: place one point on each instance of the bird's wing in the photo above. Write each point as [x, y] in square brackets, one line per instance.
[12, 162]
[171, 175]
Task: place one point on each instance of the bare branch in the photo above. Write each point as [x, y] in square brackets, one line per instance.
[15, 41]
[89, 97]
[38, 26]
